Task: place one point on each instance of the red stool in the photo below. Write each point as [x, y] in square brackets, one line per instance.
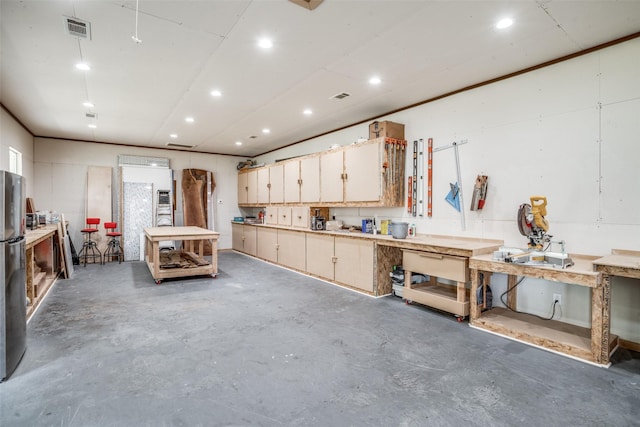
[89, 247]
[114, 249]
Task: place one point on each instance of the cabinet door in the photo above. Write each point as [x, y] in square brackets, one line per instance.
[268, 243]
[291, 249]
[284, 216]
[262, 192]
[276, 183]
[363, 173]
[300, 217]
[252, 186]
[310, 180]
[242, 188]
[236, 237]
[354, 263]
[331, 170]
[249, 235]
[292, 181]
[271, 215]
[319, 255]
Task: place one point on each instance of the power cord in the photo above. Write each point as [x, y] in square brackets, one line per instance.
[553, 306]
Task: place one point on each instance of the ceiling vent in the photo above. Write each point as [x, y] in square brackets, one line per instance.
[78, 28]
[155, 162]
[307, 4]
[341, 95]
[91, 115]
[175, 145]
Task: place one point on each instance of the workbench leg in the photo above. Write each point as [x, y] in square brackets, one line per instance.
[512, 295]
[461, 292]
[29, 282]
[600, 320]
[474, 309]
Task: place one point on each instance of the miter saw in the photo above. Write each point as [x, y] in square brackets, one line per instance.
[533, 225]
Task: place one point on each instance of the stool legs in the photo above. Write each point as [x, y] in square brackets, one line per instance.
[113, 250]
[89, 251]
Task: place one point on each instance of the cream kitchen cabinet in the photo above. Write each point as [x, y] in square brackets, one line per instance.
[248, 187]
[267, 243]
[271, 215]
[362, 178]
[300, 217]
[243, 238]
[262, 196]
[291, 249]
[284, 216]
[276, 183]
[302, 180]
[332, 177]
[345, 260]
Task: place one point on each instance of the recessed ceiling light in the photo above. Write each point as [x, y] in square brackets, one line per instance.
[375, 80]
[173, 135]
[265, 43]
[216, 93]
[265, 130]
[88, 104]
[82, 66]
[238, 143]
[504, 23]
[189, 120]
[92, 126]
[307, 112]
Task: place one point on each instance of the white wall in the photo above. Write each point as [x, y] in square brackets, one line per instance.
[570, 132]
[61, 179]
[12, 134]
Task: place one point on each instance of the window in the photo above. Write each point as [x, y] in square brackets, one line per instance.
[15, 161]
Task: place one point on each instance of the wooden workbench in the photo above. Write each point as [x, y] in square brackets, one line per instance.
[189, 236]
[621, 263]
[439, 257]
[41, 264]
[593, 344]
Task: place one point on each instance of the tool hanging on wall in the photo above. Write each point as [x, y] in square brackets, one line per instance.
[479, 193]
[429, 177]
[458, 192]
[414, 185]
[420, 184]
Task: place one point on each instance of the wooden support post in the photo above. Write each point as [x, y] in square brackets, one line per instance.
[512, 295]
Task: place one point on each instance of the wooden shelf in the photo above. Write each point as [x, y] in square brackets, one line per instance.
[551, 334]
[439, 296]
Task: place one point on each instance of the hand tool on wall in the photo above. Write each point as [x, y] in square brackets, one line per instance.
[429, 177]
[479, 193]
[455, 145]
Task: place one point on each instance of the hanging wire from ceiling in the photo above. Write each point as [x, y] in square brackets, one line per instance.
[135, 38]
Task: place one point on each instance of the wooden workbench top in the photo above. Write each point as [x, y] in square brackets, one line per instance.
[620, 263]
[581, 273]
[33, 237]
[177, 232]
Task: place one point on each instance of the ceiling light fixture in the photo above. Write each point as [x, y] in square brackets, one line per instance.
[135, 37]
[504, 23]
[92, 126]
[82, 66]
[375, 80]
[265, 43]
[265, 130]
[238, 143]
[216, 93]
[307, 112]
[189, 120]
[88, 104]
[173, 135]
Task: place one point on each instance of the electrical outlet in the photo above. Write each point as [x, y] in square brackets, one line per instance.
[558, 298]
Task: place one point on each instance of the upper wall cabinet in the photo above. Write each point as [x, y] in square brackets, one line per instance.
[365, 174]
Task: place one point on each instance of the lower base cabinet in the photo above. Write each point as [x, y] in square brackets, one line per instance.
[267, 244]
[344, 260]
[244, 239]
[291, 249]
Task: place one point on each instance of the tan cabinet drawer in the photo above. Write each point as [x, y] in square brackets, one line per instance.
[300, 217]
[284, 216]
[437, 265]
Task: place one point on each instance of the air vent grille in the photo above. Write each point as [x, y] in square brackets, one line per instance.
[341, 95]
[173, 144]
[78, 28]
[91, 115]
[128, 160]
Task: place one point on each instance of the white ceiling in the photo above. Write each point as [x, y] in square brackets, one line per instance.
[143, 92]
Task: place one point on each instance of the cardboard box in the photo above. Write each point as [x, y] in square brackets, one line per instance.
[386, 128]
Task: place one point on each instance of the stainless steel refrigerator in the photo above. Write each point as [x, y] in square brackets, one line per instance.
[13, 307]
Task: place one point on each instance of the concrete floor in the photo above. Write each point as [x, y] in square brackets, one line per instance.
[264, 346]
